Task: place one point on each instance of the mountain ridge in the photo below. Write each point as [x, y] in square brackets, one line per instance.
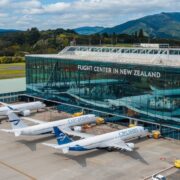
[164, 25]
[88, 30]
[8, 30]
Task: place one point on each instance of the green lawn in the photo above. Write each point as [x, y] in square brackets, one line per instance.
[12, 70]
[118, 45]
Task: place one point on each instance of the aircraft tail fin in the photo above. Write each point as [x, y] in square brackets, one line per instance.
[15, 121]
[61, 137]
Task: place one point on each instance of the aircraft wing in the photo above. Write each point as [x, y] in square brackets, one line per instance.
[55, 146]
[75, 133]
[64, 148]
[7, 130]
[15, 131]
[120, 145]
[33, 120]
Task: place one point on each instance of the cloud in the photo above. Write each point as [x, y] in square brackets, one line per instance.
[74, 13]
[57, 7]
[48, 9]
[4, 2]
[3, 15]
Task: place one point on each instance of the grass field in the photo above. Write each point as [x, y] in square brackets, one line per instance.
[12, 70]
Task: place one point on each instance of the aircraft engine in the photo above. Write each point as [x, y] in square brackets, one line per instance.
[26, 113]
[131, 145]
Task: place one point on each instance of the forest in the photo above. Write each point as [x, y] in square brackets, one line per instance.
[15, 45]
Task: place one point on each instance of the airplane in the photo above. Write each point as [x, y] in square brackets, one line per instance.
[112, 140]
[41, 127]
[23, 109]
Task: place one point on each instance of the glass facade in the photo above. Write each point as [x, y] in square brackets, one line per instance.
[150, 93]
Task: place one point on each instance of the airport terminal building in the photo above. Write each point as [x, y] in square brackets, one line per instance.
[133, 83]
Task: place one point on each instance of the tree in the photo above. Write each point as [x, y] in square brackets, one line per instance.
[105, 35]
[19, 38]
[136, 34]
[141, 33]
[114, 38]
[33, 35]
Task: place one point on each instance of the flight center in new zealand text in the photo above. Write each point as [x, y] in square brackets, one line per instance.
[119, 71]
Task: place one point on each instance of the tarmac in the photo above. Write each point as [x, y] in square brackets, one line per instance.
[26, 158]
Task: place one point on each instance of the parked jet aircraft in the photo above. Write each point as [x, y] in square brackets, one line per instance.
[20, 128]
[114, 140]
[23, 109]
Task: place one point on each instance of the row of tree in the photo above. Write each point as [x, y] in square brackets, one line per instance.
[17, 44]
[11, 59]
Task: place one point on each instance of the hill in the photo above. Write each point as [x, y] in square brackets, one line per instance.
[164, 25]
[8, 31]
[88, 30]
[13, 46]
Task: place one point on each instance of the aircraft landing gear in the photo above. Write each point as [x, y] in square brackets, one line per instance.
[109, 149]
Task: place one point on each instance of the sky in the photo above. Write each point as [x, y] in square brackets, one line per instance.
[52, 14]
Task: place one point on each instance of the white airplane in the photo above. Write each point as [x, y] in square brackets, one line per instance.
[20, 128]
[23, 109]
[112, 140]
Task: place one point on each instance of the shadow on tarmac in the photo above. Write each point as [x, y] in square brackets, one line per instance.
[31, 144]
[137, 140]
[135, 155]
[81, 159]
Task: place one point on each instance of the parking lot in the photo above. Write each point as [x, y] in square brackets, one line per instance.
[26, 158]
